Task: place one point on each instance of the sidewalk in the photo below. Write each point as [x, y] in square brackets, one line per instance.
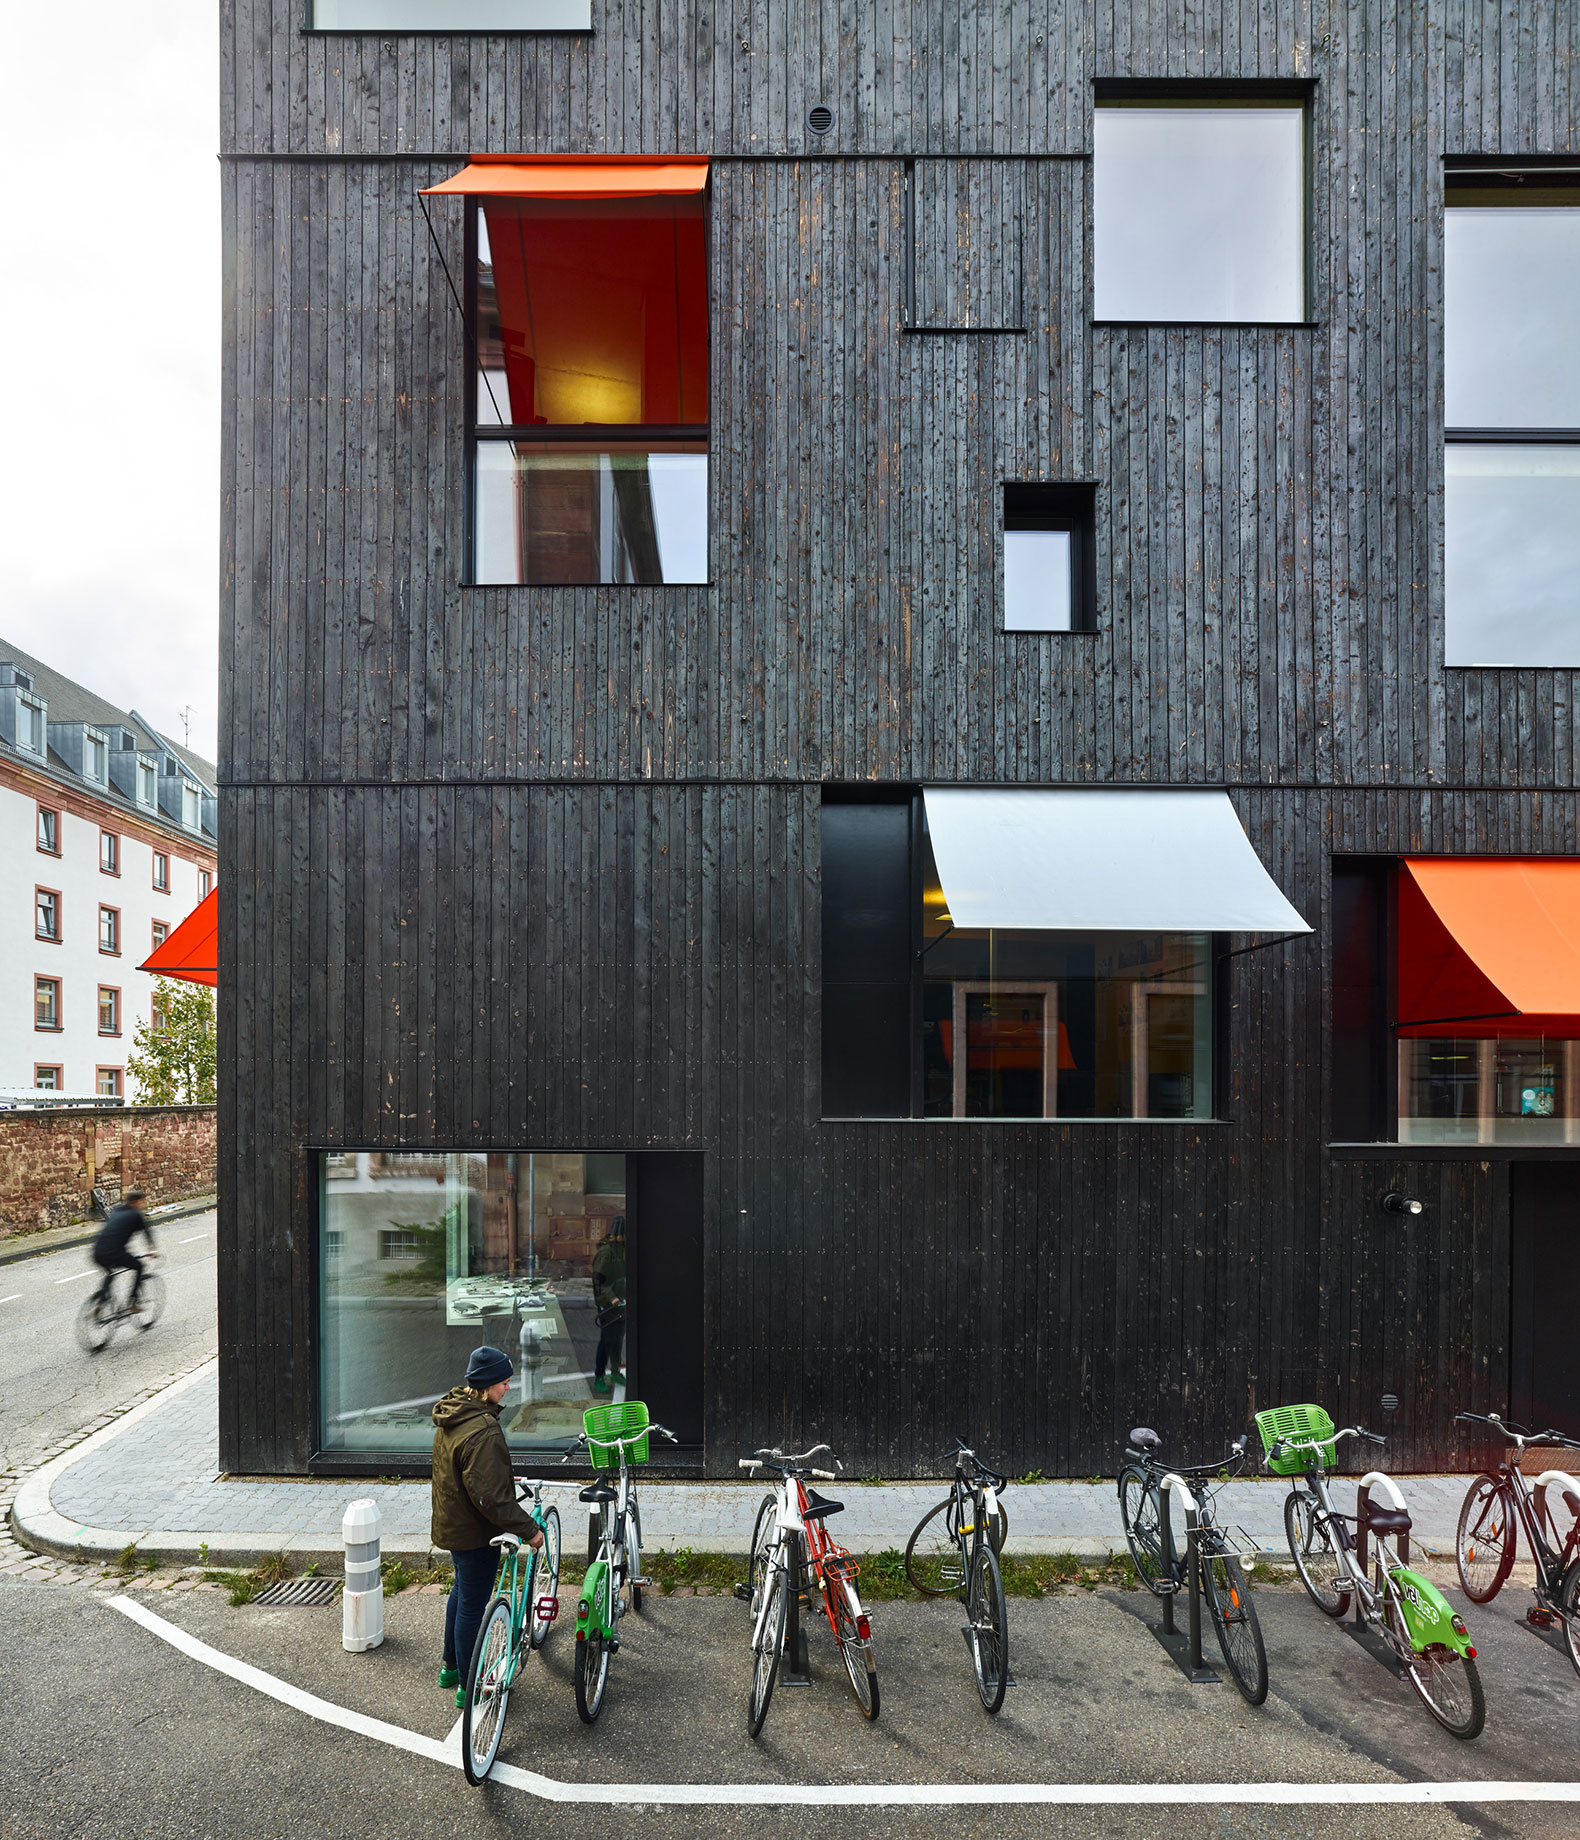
[18, 1246]
[151, 1477]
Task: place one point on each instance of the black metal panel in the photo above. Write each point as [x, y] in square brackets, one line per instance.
[1363, 1045]
[1544, 1375]
[669, 1336]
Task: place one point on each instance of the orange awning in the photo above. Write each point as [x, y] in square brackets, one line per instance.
[1489, 946]
[496, 175]
[191, 953]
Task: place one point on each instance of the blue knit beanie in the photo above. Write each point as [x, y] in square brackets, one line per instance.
[487, 1367]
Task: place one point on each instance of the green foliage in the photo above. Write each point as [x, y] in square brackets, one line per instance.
[883, 1575]
[1033, 1476]
[126, 1559]
[176, 1064]
[870, 1482]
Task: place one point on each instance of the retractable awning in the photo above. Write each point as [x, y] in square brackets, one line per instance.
[492, 175]
[191, 953]
[1489, 946]
[1105, 860]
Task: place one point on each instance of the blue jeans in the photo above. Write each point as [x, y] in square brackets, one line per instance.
[468, 1599]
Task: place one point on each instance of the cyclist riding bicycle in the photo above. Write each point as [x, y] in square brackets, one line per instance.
[111, 1250]
[474, 1498]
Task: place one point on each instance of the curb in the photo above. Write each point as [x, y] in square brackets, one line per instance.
[156, 1219]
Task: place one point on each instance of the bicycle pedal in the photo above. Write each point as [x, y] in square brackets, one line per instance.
[1540, 1619]
[743, 1592]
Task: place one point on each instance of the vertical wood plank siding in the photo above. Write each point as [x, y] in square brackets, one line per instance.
[540, 866]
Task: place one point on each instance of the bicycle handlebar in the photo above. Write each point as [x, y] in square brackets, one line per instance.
[987, 1475]
[1280, 1445]
[1513, 1434]
[777, 1459]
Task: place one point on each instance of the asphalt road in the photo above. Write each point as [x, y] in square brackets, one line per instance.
[113, 1731]
[48, 1387]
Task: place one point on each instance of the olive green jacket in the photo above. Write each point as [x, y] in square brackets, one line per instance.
[474, 1496]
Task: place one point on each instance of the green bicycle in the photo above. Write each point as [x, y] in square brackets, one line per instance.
[614, 1437]
[498, 1654]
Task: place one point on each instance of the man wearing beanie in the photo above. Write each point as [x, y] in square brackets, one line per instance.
[474, 1497]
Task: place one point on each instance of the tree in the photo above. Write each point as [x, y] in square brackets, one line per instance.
[174, 1054]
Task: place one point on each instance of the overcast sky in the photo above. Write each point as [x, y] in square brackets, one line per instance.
[109, 319]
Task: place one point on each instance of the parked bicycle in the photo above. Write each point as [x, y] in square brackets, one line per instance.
[113, 1304]
[524, 1607]
[955, 1550]
[1427, 1638]
[615, 1437]
[1161, 1550]
[1496, 1505]
[792, 1552]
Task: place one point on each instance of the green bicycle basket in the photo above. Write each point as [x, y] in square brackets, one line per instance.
[1295, 1422]
[615, 1422]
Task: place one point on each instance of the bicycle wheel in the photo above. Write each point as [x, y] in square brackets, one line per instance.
[487, 1692]
[1234, 1617]
[592, 1660]
[546, 1579]
[96, 1322]
[1484, 1540]
[1317, 1560]
[762, 1552]
[988, 1624]
[768, 1636]
[932, 1554]
[150, 1302]
[1445, 1680]
[1140, 1509]
[1569, 1612]
[856, 1649]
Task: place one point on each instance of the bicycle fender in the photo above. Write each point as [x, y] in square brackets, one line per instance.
[590, 1619]
[1428, 1615]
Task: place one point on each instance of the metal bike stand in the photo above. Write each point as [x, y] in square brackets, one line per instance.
[1551, 1632]
[1185, 1649]
[1359, 1627]
[794, 1670]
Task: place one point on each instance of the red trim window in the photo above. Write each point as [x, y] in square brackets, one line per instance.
[46, 1003]
[47, 914]
[110, 931]
[161, 933]
[109, 853]
[49, 1079]
[205, 884]
[108, 1082]
[109, 1010]
[161, 871]
[49, 830]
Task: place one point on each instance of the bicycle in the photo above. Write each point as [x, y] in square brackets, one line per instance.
[614, 1437]
[1165, 1572]
[790, 1524]
[111, 1305]
[955, 1549]
[1426, 1636]
[497, 1655]
[1495, 1506]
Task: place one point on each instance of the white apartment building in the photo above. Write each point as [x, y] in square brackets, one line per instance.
[107, 842]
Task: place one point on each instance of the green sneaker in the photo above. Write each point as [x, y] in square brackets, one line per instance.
[449, 1677]
[460, 1699]
[600, 1385]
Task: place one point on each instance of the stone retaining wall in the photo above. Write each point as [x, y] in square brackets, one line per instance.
[50, 1161]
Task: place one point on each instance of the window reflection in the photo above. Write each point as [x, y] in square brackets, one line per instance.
[1478, 1091]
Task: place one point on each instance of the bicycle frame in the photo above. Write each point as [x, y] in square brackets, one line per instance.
[509, 1583]
[827, 1562]
[973, 1512]
[597, 1609]
[1552, 1556]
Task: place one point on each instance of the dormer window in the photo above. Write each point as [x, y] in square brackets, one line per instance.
[191, 806]
[147, 784]
[95, 757]
[30, 725]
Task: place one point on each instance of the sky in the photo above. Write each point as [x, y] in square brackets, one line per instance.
[109, 316]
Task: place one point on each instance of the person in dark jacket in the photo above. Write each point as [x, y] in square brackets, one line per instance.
[608, 1276]
[474, 1497]
[112, 1250]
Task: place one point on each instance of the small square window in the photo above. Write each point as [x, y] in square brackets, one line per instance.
[48, 831]
[399, 1243]
[47, 915]
[1199, 210]
[109, 929]
[1048, 558]
[109, 853]
[109, 1083]
[47, 1079]
[161, 870]
[161, 933]
[46, 1003]
[109, 1010]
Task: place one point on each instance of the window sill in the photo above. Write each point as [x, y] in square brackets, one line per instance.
[48, 939]
[43, 852]
[47, 1028]
[1207, 325]
[1178, 1124]
[1514, 667]
[109, 1034]
[603, 587]
[107, 952]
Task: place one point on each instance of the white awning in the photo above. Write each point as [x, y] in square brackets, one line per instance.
[1105, 860]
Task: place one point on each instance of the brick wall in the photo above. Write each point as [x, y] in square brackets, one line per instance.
[49, 1161]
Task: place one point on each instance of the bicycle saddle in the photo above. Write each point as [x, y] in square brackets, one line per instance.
[598, 1491]
[818, 1506]
[1387, 1520]
[1143, 1437]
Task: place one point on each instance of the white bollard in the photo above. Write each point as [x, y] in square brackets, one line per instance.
[362, 1601]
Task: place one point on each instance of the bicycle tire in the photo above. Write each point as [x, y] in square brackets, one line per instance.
[1141, 1512]
[1485, 1539]
[768, 1643]
[150, 1302]
[1235, 1621]
[1308, 1543]
[633, 1553]
[1446, 1682]
[546, 1580]
[762, 1549]
[988, 1621]
[487, 1692]
[95, 1325]
[592, 1660]
[932, 1554]
[1569, 1612]
[861, 1668]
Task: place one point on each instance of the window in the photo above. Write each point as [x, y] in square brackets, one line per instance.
[205, 884]
[334, 1242]
[46, 1003]
[447, 16]
[109, 929]
[161, 870]
[30, 728]
[95, 757]
[109, 853]
[48, 831]
[109, 1010]
[191, 806]
[47, 915]
[1199, 206]
[157, 1023]
[397, 1243]
[109, 1083]
[161, 933]
[1048, 558]
[48, 1079]
[591, 403]
[1511, 402]
[147, 785]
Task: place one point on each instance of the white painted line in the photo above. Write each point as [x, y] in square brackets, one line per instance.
[92, 1272]
[193, 1241]
[12, 1298]
[847, 1795]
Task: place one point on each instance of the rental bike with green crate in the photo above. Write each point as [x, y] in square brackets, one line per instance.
[954, 1548]
[614, 1437]
[524, 1606]
[1419, 1626]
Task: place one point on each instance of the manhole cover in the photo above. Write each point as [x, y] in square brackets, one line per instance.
[301, 1591]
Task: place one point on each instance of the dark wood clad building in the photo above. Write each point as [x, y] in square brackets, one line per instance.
[596, 976]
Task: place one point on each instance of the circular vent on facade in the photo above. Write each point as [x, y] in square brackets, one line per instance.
[821, 119]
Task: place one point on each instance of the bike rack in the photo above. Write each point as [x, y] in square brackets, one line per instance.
[1566, 1484]
[1186, 1650]
[1356, 1627]
[795, 1663]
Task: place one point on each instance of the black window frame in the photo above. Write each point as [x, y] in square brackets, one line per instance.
[1052, 504]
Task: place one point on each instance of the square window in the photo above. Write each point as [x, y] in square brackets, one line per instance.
[1511, 277]
[109, 929]
[109, 1083]
[109, 1010]
[47, 1079]
[46, 914]
[1511, 534]
[1199, 211]
[109, 853]
[399, 1243]
[1049, 571]
[161, 870]
[48, 831]
[46, 1003]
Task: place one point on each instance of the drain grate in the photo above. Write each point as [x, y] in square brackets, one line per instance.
[300, 1592]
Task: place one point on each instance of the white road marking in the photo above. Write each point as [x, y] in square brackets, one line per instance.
[847, 1795]
[12, 1298]
[193, 1241]
[92, 1272]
